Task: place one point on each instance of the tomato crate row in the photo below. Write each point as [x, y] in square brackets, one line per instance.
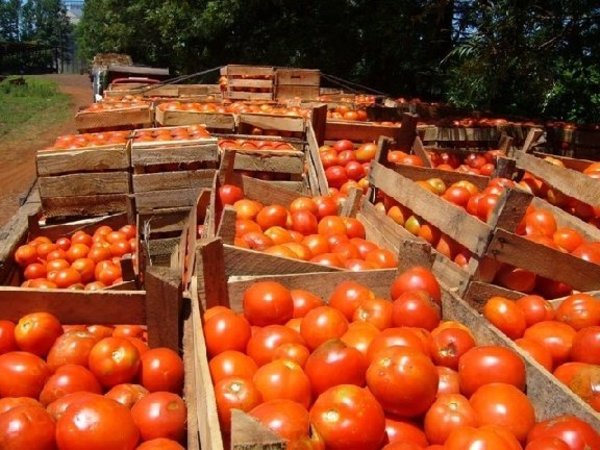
[548, 397]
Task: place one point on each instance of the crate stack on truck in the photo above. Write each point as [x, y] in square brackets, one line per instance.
[266, 263]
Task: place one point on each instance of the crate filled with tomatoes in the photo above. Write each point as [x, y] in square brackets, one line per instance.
[85, 174]
[215, 116]
[244, 82]
[107, 116]
[310, 359]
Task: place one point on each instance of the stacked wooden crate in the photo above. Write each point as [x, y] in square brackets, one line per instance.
[301, 84]
[249, 82]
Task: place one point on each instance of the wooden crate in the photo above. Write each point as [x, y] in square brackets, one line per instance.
[169, 174]
[272, 124]
[217, 122]
[297, 83]
[250, 82]
[126, 118]
[547, 395]
[359, 131]
[91, 181]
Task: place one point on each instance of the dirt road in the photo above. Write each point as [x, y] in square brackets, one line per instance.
[17, 152]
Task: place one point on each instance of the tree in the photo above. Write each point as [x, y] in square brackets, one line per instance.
[9, 20]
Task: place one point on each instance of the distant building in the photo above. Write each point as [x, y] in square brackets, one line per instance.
[74, 9]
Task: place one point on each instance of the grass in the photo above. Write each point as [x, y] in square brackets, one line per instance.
[37, 103]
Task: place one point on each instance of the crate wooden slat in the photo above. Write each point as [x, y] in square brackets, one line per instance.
[298, 83]
[223, 122]
[89, 159]
[242, 82]
[271, 122]
[79, 184]
[359, 131]
[114, 119]
[86, 205]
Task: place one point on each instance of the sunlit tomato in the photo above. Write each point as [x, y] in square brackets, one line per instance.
[231, 363]
[247, 209]
[588, 252]
[95, 422]
[234, 393]
[107, 272]
[506, 406]
[359, 336]
[41, 283]
[375, 311]
[333, 363]
[35, 270]
[505, 315]
[304, 301]
[416, 278]
[7, 337]
[448, 412]
[348, 417]
[226, 331]
[567, 238]
[448, 381]
[283, 379]
[331, 225]
[27, 427]
[257, 241]
[486, 206]
[304, 222]
[406, 367]
[86, 268]
[537, 351]
[516, 279]
[288, 419]
[25, 255]
[404, 432]
[127, 394]
[403, 336]
[270, 216]
[326, 206]
[448, 345]
[366, 152]
[264, 342]
[100, 331]
[336, 175]
[67, 277]
[161, 369]
[268, 303]
[540, 221]
[536, 309]
[557, 337]
[160, 444]
[22, 374]
[458, 195]
[416, 308]
[586, 346]
[579, 311]
[229, 194]
[69, 379]
[382, 258]
[99, 253]
[348, 296]
[321, 324]
[113, 361]
[484, 437]
[243, 226]
[76, 251]
[304, 204]
[354, 228]
[160, 414]
[547, 443]
[8, 403]
[490, 364]
[576, 433]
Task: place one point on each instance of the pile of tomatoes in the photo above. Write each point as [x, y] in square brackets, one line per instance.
[310, 230]
[79, 261]
[347, 167]
[565, 340]
[361, 372]
[249, 144]
[113, 106]
[95, 387]
[171, 133]
[235, 108]
[75, 141]
[475, 163]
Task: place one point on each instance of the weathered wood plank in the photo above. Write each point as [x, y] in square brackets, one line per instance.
[181, 154]
[85, 206]
[56, 162]
[79, 184]
[164, 181]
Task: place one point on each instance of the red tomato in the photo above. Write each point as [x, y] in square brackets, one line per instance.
[540, 221]
[226, 331]
[304, 222]
[304, 203]
[22, 374]
[57, 408]
[557, 337]
[160, 444]
[336, 176]
[416, 308]
[272, 215]
[268, 303]
[537, 351]
[127, 394]
[484, 437]
[416, 278]
[376, 311]
[547, 443]
[505, 315]
[297, 353]
[536, 309]
[286, 418]
[321, 324]
[449, 382]
[100, 331]
[490, 364]
[27, 427]
[402, 431]
[231, 363]
[348, 417]
[36, 333]
[129, 331]
[7, 337]
[359, 336]
[25, 255]
[161, 369]
[283, 379]
[96, 423]
[448, 345]
[326, 206]
[579, 311]
[235, 393]
[348, 296]
[114, 361]
[506, 406]
[160, 414]
[382, 258]
[406, 367]
[8, 403]
[69, 379]
[403, 336]
[586, 346]
[333, 363]
[263, 343]
[576, 433]
[448, 412]
[304, 301]
[229, 194]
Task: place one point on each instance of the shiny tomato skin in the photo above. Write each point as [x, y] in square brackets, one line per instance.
[226, 331]
[304, 301]
[161, 369]
[321, 324]
[114, 361]
[229, 194]
[399, 336]
[27, 427]
[22, 374]
[7, 337]
[231, 363]
[398, 430]
[348, 417]
[127, 394]
[348, 296]
[481, 438]
[234, 393]
[586, 346]
[547, 443]
[555, 336]
[417, 278]
[297, 353]
[536, 309]
[489, 364]
[360, 335]
[73, 347]
[579, 311]
[8, 403]
[96, 423]
[504, 405]
[160, 414]
[537, 351]
[333, 363]
[505, 315]
[448, 381]
[36, 332]
[160, 444]
[263, 343]
[268, 303]
[376, 311]
[576, 433]
[416, 308]
[448, 412]
[69, 379]
[288, 419]
[448, 345]
[283, 379]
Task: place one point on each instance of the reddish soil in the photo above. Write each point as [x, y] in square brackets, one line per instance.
[17, 152]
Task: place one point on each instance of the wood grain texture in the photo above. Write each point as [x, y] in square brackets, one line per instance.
[164, 181]
[452, 275]
[576, 164]
[212, 121]
[191, 388]
[168, 155]
[359, 131]
[419, 150]
[78, 184]
[266, 193]
[278, 161]
[56, 162]
[104, 120]
[319, 185]
[450, 219]
[247, 433]
[227, 225]
[422, 173]
[210, 272]
[85, 206]
[175, 198]
[478, 293]
[456, 134]
[272, 122]
[163, 307]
